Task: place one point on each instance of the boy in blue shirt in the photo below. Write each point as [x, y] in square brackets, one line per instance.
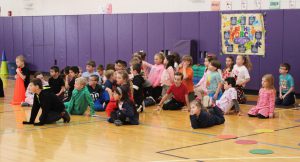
[286, 86]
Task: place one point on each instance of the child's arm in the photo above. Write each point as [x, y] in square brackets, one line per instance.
[109, 91]
[218, 90]
[91, 103]
[127, 109]
[194, 120]
[288, 92]
[147, 64]
[187, 101]
[34, 111]
[166, 96]
[280, 92]
[62, 90]
[67, 82]
[20, 74]
[272, 104]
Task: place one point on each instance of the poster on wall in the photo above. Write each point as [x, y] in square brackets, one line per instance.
[243, 34]
[228, 5]
[274, 4]
[244, 4]
[292, 4]
[215, 5]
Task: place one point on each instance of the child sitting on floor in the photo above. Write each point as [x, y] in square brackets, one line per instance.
[201, 117]
[80, 99]
[266, 99]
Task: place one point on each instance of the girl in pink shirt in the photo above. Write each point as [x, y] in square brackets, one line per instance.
[155, 73]
[167, 77]
[266, 99]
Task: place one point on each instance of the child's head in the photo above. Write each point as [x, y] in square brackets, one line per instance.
[136, 69]
[229, 82]
[80, 83]
[159, 58]
[100, 69]
[120, 65]
[121, 94]
[244, 60]
[109, 74]
[142, 54]
[178, 77]
[229, 62]
[90, 66]
[110, 67]
[268, 81]
[196, 107]
[169, 61]
[35, 85]
[54, 71]
[177, 57]
[73, 71]
[66, 70]
[122, 77]
[20, 61]
[135, 60]
[187, 59]
[284, 68]
[93, 80]
[214, 65]
[208, 59]
[39, 75]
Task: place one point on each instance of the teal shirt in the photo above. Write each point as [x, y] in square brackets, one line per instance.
[286, 82]
[79, 102]
[212, 81]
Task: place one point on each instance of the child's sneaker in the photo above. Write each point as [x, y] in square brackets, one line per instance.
[66, 117]
[118, 122]
[25, 104]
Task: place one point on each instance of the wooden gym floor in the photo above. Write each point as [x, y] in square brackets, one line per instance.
[163, 136]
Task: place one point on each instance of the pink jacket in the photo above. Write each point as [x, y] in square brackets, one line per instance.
[167, 77]
[155, 73]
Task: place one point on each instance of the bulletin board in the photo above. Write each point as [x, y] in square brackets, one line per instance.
[243, 34]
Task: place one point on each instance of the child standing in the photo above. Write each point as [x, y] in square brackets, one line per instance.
[229, 66]
[229, 97]
[90, 69]
[186, 69]
[52, 108]
[180, 95]
[96, 92]
[125, 113]
[200, 117]
[167, 77]
[73, 74]
[56, 82]
[155, 75]
[22, 70]
[80, 99]
[241, 73]
[214, 80]
[138, 82]
[286, 86]
[266, 99]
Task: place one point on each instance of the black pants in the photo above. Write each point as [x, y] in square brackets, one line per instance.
[173, 105]
[117, 115]
[156, 93]
[53, 117]
[218, 115]
[287, 101]
[1, 88]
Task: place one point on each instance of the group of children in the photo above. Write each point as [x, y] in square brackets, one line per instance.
[121, 91]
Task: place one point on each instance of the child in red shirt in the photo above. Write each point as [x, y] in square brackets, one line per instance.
[180, 95]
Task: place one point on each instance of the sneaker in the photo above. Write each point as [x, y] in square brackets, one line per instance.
[110, 120]
[118, 122]
[25, 104]
[66, 117]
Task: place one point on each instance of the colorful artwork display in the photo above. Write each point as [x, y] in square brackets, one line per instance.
[243, 34]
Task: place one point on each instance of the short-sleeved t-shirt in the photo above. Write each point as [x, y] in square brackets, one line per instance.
[26, 73]
[241, 73]
[286, 82]
[226, 101]
[188, 82]
[56, 84]
[178, 92]
[212, 81]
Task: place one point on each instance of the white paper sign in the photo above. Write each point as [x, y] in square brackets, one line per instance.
[228, 5]
[292, 4]
[258, 4]
[244, 4]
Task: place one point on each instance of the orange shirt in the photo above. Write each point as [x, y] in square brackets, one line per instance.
[188, 82]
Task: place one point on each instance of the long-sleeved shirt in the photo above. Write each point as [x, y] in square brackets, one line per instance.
[265, 104]
[167, 77]
[79, 102]
[155, 73]
[130, 112]
[213, 116]
[48, 102]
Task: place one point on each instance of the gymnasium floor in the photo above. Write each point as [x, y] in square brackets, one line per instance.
[163, 136]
